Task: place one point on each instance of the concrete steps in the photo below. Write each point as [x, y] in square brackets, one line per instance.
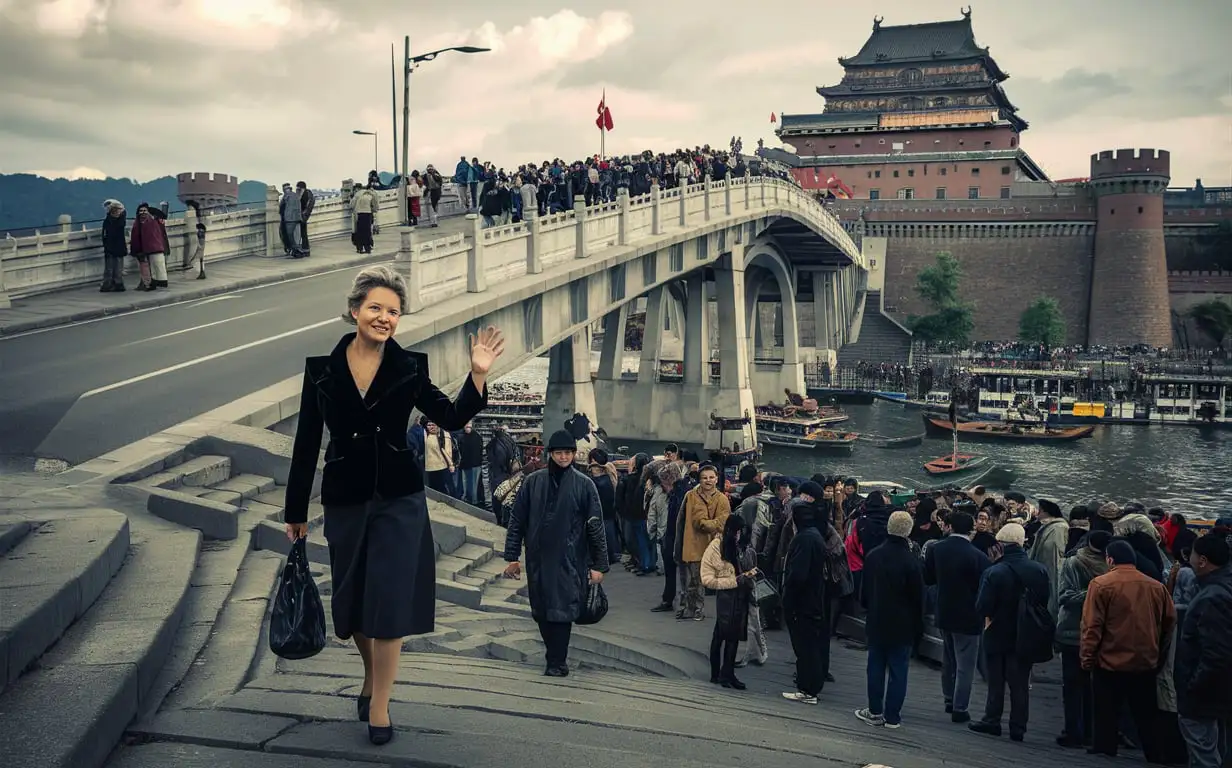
[72, 705]
[881, 339]
[49, 578]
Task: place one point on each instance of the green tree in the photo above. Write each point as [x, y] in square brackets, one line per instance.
[1042, 323]
[951, 319]
[1214, 318]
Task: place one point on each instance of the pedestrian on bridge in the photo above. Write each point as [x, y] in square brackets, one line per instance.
[382, 556]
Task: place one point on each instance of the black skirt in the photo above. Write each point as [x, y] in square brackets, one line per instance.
[362, 237]
[383, 568]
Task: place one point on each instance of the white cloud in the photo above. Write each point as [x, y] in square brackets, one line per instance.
[81, 172]
[70, 18]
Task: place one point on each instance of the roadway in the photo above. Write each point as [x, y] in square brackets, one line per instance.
[77, 391]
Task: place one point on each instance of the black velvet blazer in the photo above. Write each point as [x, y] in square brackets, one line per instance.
[367, 457]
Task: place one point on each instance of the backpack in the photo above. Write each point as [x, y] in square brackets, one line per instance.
[1036, 627]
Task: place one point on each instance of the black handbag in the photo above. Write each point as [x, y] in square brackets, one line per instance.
[595, 607]
[297, 626]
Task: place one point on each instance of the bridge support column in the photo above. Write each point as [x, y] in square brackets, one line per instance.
[652, 336]
[611, 357]
[696, 332]
[570, 389]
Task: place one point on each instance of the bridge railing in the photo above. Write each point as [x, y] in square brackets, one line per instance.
[481, 257]
[47, 262]
[69, 256]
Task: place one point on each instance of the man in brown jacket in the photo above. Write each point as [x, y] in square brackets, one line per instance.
[1126, 620]
[706, 509]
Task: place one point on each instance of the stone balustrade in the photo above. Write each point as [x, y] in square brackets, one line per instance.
[52, 261]
[484, 258]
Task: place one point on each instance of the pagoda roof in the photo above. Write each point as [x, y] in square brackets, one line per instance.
[933, 41]
[825, 122]
[1033, 171]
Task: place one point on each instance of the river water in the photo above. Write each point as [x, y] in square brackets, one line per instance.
[1180, 468]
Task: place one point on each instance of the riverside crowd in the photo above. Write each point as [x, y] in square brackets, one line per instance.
[1137, 605]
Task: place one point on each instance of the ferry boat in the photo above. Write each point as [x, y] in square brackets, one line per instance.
[1066, 396]
[731, 440]
[935, 401]
[803, 432]
[1193, 399]
[515, 406]
[825, 415]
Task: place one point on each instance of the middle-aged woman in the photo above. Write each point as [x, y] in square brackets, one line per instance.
[381, 552]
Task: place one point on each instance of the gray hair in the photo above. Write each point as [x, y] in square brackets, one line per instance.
[369, 278]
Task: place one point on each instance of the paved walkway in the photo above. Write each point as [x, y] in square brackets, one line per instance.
[472, 709]
[87, 303]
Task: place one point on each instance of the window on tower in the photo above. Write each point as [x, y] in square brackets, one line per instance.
[940, 193]
[911, 76]
[906, 193]
[874, 194]
[940, 102]
[973, 193]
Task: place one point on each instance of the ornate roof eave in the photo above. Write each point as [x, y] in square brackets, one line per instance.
[830, 91]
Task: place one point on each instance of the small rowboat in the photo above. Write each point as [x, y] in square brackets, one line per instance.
[955, 464]
[881, 441]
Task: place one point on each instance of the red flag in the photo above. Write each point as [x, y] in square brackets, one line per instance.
[604, 120]
[773, 119]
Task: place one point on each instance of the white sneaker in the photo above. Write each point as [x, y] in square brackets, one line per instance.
[800, 696]
[865, 716]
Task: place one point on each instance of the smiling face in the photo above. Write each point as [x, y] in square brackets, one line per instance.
[378, 314]
[708, 479]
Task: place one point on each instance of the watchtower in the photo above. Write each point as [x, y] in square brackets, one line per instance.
[1129, 278]
[210, 190]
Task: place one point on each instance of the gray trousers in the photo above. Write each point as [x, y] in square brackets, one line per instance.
[113, 270]
[290, 232]
[1207, 740]
[958, 668]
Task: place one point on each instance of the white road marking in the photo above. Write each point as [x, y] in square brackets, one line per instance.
[206, 358]
[223, 297]
[353, 267]
[194, 328]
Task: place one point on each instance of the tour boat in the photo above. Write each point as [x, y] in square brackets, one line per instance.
[999, 431]
[824, 415]
[803, 432]
[936, 401]
[731, 440]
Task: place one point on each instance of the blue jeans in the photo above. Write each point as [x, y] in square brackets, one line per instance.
[883, 699]
[470, 484]
[637, 540]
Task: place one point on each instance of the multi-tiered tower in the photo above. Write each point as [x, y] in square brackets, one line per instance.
[1129, 278]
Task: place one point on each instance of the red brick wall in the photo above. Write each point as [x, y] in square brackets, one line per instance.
[1003, 276]
[924, 178]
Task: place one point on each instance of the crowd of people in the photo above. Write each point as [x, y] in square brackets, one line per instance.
[1136, 604]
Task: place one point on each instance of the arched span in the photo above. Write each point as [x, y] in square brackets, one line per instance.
[762, 262]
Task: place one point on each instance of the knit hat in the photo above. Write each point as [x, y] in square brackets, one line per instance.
[597, 456]
[1012, 533]
[1050, 508]
[561, 441]
[925, 509]
[750, 489]
[810, 488]
[1098, 540]
[111, 203]
[1109, 511]
[900, 524]
[1015, 496]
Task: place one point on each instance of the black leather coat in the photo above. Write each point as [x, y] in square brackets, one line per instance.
[368, 456]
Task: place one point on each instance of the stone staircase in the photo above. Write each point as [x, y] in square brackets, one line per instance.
[880, 339]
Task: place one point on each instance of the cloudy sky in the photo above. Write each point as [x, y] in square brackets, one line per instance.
[271, 89]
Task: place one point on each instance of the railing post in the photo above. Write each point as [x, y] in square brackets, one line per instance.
[5, 301]
[745, 181]
[762, 183]
[534, 259]
[727, 179]
[776, 194]
[189, 237]
[476, 275]
[579, 221]
[706, 198]
[407, 263]
[622, 198]
[66, 223]
[272, 222]
[656, 209]
[684, 205]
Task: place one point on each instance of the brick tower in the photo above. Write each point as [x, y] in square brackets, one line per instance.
[1129, 278]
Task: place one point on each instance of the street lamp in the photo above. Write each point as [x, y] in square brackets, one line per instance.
[408, 66]
[376, 164]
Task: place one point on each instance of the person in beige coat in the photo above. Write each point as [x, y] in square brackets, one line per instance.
[364, 209]
[706, 510]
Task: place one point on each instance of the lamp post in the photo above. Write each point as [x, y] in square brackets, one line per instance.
[376, 164]
[409, 63]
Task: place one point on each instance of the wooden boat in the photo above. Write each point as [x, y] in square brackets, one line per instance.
[881, 441]
[998, 431]
[822, 415]
[955, 464]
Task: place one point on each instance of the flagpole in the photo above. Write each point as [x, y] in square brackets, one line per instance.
[602, 144]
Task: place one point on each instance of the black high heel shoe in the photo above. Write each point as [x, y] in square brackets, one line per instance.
[381, 735]
[362, 704]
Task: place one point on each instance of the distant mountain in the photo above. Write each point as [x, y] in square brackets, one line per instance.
[29, 202]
